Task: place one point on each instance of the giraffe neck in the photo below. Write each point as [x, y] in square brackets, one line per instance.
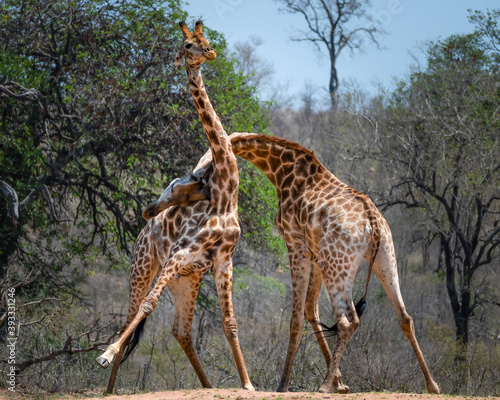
[210, 120]
[224, 179]
[286, 164]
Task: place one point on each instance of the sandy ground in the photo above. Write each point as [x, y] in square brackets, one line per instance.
[239, 394]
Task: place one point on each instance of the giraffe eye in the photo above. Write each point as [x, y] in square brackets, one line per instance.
[188, 46]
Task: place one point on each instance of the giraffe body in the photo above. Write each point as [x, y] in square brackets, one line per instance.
[331, 226]
[184, 242]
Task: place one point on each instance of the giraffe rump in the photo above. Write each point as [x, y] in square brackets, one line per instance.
[134, 341]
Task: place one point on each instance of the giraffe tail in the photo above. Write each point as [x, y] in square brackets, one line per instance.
[134, 341]
[333, 330]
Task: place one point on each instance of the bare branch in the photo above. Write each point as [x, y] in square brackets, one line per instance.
[32, 303]
[70, 342]
[11, 194]
[19, 92]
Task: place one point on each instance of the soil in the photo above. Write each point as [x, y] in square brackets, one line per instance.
[240, 394]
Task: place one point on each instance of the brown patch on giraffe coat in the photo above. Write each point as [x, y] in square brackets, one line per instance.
[206, 119]
[222, 173]
[274, 162]
[262, 164]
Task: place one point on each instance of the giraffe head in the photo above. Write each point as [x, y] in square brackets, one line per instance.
[192, 187]
[195, 48]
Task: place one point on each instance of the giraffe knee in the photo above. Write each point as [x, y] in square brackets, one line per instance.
[148, 306]
[406, 323]
[348, 327]
[343, 324]
[231, 329]
[310, 314]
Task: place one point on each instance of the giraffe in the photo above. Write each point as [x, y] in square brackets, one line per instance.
[333, 227]
[188, 240]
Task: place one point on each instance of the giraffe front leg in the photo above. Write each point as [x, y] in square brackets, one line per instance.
[146, 307]
[299, 268]
[184, 293]
[142, 272]
[223, 276]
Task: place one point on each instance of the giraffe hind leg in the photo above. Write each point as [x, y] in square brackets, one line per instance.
[386, 270]
[333, 330]
[347, 323]
[312, 311]
[338, 277]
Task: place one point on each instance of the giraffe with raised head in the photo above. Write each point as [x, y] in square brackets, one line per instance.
[331, 226]
[186, 241]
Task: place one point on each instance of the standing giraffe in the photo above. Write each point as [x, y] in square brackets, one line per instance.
[332, 226]
[187, 241]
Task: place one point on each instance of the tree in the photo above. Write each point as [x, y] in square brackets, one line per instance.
[488, 28]
[438, 132]
[257, 70]
[332, 25]
[95, 116]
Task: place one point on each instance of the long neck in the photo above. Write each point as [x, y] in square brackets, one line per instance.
[210, 120]
[225, 175]
[283, 162]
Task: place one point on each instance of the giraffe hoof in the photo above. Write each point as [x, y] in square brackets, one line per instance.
[324, 389]
[103, 362]
[342, 389]
[433, 388]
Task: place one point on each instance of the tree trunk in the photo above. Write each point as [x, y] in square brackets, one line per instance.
[459, 300]
[334, 82]
[462, 323]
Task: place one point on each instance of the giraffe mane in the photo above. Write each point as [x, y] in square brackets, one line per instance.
[241, 136]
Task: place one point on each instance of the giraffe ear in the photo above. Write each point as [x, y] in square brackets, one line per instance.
[178, 58]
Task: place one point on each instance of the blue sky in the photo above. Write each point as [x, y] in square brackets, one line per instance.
[408, 23]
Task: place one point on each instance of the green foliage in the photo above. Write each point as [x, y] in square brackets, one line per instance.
[110, 124]
[263, 285]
